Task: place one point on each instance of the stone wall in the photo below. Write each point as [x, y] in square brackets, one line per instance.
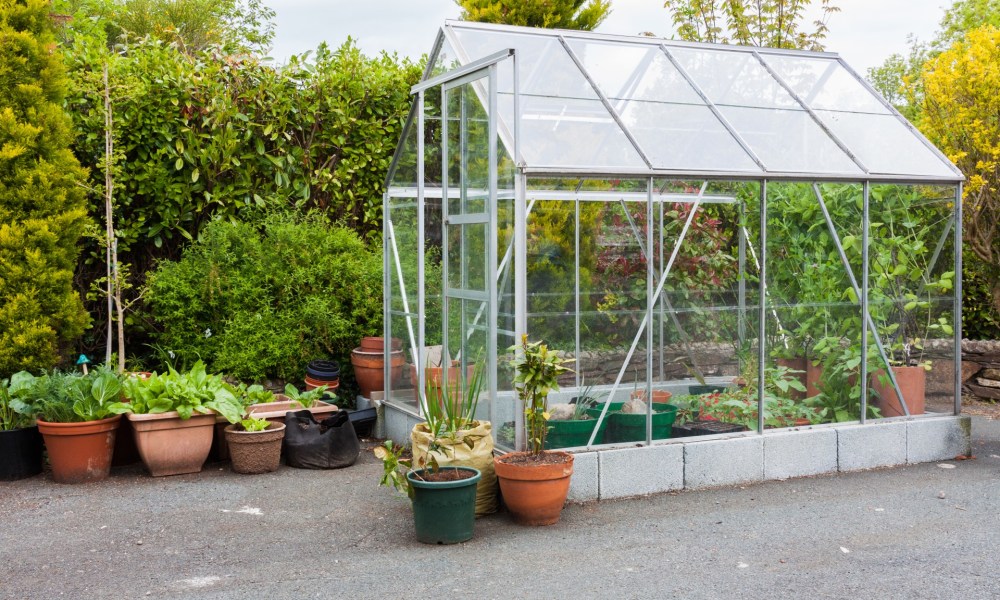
[981, 369]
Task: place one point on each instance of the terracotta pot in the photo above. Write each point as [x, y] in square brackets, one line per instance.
[255, 452]
[912, 382]
[80, 452]
[659, 396]
[534, 493]
[170, 445]
[377, 344]
[275, 411]
[814, 375]
[331, 386]
[369, 369]
[433, 376]
[797, 364]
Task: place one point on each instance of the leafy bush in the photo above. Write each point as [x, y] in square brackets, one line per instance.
[263, 303]
[980, 320]
[42, 213]
[67, 397]
[195, 391]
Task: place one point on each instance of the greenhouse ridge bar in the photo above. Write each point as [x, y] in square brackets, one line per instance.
[750, 238]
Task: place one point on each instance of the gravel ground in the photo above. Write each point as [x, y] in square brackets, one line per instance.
[921, 531]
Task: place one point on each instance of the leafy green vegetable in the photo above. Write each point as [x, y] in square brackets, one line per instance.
[189, 393]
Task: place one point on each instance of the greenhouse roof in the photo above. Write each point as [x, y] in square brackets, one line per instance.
[595, 104]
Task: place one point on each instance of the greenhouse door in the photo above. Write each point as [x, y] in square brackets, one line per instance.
[469, 238]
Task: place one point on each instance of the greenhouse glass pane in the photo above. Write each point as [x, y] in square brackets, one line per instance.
[634, 72]
[545, 67]
[566, 132]
[733, 78]
[884, 144]
[404, 174]
[824, 83]
[789, 141]
[445, 60]
[682, 136]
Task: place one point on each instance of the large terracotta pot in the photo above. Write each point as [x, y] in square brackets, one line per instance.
[814, 375]
[377, 344]
[255, 452]
[170, 445]
[799, 363]
[433, 376]
[369, 369]
[80, 452]
[912, 382]
[534, 493]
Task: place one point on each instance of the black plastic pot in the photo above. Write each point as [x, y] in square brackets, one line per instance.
[363, 421]
[20, 453]
[324, 370]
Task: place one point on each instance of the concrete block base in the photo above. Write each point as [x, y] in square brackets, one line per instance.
[800, 453]
[713, 463]
[639, 471]
[933, 439]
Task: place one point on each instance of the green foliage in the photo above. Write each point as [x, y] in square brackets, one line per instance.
[263, 303]
[192, 25]
[304, 399]
[555, 14]
[980, 319]
[768, 23]
[254, 394]
[450, 406]
[67, 397]
[195, 391]
[14, 413]
[395, 467]
[251, 424]
[537, 371]
[42, 210]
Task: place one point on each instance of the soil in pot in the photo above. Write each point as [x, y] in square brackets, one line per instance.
[912, 382]
[80, 452]
[534, 488]
[170, 445]
[444, 504]
[254, 452]
[20, 453]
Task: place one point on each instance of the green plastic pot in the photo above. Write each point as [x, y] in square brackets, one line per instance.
[444, 512]
[571, 434]
[632, 427]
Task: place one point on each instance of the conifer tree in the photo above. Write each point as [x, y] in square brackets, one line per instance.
[42, 210]
[554, 14]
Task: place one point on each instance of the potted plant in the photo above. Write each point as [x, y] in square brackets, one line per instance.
[443, 498]
[571, 425]
[173, 416]
[255, 445]
[291, 400]
[76, 418]
[535, 483]
[20, 442]
[452, 436]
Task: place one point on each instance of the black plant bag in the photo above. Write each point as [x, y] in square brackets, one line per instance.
[327, 444]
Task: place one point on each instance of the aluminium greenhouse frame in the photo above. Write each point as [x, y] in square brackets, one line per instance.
[481, 75]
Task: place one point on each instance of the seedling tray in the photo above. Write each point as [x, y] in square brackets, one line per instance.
[706, 427]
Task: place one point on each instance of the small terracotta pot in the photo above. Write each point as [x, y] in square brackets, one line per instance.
[534, 493]
[80, 452]
[254, 452]
[170, 445]
[377, 344]
[659, 396]
[369, 369]
[912, 382]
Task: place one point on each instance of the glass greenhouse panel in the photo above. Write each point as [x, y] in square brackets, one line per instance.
[685, 137]
[733, 78]
[823, 83]
[789, 141]
[814, 316]
[404, 169]
[911, 296]
[446, 59]
[545, 69]
[560, 132]
[634, 72]
[402, 245]
[402, 383]
[884, 144]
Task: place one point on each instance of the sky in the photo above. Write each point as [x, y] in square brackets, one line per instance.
[865, 32]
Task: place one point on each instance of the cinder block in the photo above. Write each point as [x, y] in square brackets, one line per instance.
[638, 471]
[398, 425]
[799, 453]
[938, 438]
[714, 463]
[584, 485]
[874, 444]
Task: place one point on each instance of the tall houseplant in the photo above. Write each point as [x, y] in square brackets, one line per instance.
[535, 483]
[452, 436]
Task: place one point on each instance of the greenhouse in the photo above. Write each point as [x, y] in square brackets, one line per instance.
[753, 239]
